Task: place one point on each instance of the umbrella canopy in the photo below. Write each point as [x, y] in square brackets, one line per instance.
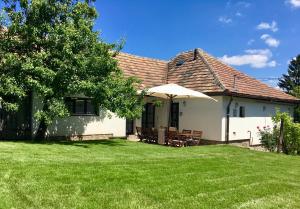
[172, 90]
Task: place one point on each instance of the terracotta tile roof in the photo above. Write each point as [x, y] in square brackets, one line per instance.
[152, 72]
[199, 71]
[244, 84]
[193, 73]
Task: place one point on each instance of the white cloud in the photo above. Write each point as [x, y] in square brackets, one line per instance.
[224, 19]
[256, 58]
[294, 3]
[268, 26]
[270, 41]
[228, 4]
[272, 63]
[238, 14]
[243, 4]
[250, 42]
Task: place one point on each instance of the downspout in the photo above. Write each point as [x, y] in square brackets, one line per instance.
[228, 112]
[228, 120]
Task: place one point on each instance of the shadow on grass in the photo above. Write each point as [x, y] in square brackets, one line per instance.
[84, 144]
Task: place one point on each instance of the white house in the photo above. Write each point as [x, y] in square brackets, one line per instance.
[243, 103]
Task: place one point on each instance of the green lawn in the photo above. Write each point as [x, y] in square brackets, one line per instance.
[122, 174]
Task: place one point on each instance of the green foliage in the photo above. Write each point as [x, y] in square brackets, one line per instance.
[291, 133]
[268, 138]
[290, 82]
[51, 48]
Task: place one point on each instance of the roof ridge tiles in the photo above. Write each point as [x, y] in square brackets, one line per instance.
[216, 77]
[141, 57]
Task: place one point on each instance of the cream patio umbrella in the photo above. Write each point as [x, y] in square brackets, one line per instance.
[171, 91]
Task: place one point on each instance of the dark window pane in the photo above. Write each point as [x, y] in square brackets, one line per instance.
[234, 112]
[69, 103]
[242, 111]
[175, 115]
[148, 116]
[90, 107]
[79, 107]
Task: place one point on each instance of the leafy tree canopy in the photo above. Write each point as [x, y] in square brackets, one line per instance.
[290, 82]
[51, 49]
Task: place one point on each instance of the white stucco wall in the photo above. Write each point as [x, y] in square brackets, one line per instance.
[203, 115]
[83, 125]
[257, 113]
[194, 114]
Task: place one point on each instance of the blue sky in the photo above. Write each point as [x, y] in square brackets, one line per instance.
[256, 37]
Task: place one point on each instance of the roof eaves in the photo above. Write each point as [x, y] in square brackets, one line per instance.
[250, 96]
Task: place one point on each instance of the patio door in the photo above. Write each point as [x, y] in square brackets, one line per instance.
[175, 115]
[148, 116]
[129, 126]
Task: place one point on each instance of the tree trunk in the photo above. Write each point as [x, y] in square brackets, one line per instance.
[41, 132]
[280, 141]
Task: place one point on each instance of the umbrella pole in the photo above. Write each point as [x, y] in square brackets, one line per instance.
[169, 118]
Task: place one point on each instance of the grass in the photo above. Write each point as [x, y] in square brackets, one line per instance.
[122, 174]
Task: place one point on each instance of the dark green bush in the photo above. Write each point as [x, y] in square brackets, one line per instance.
[268, 138]
[291, 133]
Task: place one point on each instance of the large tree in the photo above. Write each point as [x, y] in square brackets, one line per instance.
[50, 47]
[290, 82]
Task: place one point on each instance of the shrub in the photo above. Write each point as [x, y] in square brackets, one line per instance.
[268, 138]
[291, 133]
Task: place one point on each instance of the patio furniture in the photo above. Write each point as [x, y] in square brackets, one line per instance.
[185, 134]
[171, 91]
[197, 135]
[174, 139]
[147, 132]
[173, 129]
[153, 136]
[184, 131]
[140, 133]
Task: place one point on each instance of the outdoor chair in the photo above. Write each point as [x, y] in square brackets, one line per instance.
[173, 129]
[197, 135]
[147, 132]
[174, 140]
[184, 131]
[153, 136]
[187, 137]
[139, 132]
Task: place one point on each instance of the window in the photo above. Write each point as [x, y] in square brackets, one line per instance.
[234, 112]
[179, 63]
[242, 111]
[148, 116]
[175, 115]
[80, 106]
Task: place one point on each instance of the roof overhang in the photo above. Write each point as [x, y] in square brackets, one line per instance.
[248, 96]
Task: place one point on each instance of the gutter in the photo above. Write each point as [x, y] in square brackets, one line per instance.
[247, 96]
